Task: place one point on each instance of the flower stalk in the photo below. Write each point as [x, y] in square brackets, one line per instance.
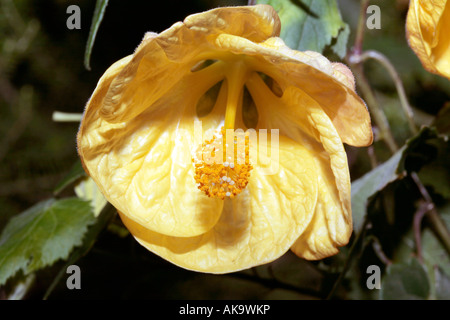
[383, 60]
[374, 107]
[356, 64]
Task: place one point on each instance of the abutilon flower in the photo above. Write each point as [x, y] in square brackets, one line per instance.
[427, 27]
[194, 202]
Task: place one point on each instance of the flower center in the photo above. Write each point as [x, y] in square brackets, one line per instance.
[218, 173]
[222, 163]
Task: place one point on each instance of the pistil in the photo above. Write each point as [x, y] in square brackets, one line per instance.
[222, 166]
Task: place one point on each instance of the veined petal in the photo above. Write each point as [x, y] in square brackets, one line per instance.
[143, 166]
[302, 119]
[330, 84]
[427, 25]
[256, 227]
[239, 21]
[161, 60]
[332, 224]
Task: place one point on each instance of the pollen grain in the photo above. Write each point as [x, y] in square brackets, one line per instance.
[218, 174]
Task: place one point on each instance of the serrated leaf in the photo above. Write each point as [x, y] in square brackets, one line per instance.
[101, 222]
[311, 24]
[43, 234]
[405, 281]
[97, 18]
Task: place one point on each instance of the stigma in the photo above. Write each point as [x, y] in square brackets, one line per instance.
[222, 164]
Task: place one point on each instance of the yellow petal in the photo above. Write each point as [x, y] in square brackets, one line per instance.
[427, 26]
[302, 119]
[239, 21]
[332, 223]
[161, 60]
[256, 227]
[330, 84]
[137, 133]
[143, 166]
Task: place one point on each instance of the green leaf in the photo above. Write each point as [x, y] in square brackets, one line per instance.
[101, 222]
[418, 151]
[97, 18]
[436, 176]
[442, 283]
[311, 25]
[436, 257]
[43, 234]
[405, 281]
[372, 182]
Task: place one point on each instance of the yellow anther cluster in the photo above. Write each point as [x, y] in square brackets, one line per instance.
[222, 176]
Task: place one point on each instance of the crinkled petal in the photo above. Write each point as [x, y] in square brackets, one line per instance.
[332, 223]
[330, 84]
[256, 227]
[144, 167]
[427, 26]
[302, 119]
[137, 133]
[162, 59]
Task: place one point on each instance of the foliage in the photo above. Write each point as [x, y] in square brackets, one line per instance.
[53, 215]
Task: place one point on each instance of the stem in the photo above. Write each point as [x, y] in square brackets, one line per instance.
[432, 215]
[355, 61]
[439, 228]
[375, 109]
[371, 54]
[418, 217]
[376, 245]
[59, 116]
[357, 48]
[372, 157]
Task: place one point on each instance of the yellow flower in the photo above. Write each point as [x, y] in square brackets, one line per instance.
[427, 27]
[228, 69]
